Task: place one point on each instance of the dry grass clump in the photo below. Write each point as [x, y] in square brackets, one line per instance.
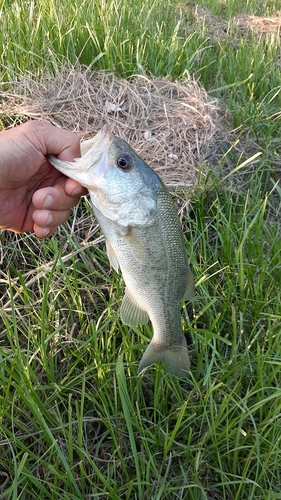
[244, 23]
[258, 24]
[174, 126]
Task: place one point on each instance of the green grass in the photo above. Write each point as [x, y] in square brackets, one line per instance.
[108, 33]
[76, 421]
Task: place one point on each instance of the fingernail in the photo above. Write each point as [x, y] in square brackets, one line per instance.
[48, 201]
[49, 220]
[40, 232]
[45, 233]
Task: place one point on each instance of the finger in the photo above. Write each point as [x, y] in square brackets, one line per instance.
[44, 232]
[55, 198]
[53, 140]
[72, 188]
[46, 222]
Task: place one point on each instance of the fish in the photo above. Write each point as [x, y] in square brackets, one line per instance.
[144, 239]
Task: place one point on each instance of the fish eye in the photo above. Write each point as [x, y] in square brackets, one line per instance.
[125, 161]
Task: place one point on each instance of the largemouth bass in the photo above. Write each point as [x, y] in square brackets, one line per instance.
[144, 239]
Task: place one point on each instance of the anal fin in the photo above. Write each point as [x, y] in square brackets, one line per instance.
[111, 256]
[190, 286]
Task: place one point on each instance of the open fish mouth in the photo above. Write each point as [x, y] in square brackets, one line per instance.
[94, 151]
[97, 145]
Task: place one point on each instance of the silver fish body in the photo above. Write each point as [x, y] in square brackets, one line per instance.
[144, 238]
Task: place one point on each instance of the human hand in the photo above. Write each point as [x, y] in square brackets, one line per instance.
[33, 194]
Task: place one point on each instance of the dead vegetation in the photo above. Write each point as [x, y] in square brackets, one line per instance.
[175, 127]
[258, 24]
[242, 24]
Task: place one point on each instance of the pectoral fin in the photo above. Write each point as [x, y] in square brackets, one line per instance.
[130, 312]
[111, 256]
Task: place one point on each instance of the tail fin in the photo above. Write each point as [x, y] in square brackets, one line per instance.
[174, 358]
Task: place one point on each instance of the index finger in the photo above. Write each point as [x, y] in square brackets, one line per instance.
[49, 139]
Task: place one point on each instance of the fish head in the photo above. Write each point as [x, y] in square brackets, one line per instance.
[121, 185]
